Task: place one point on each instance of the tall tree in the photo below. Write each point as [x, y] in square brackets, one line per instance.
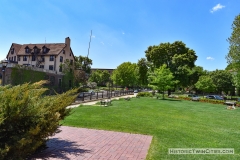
[100, 77]
[126, 74]
[233, 56]
[83, 63]
[205, 84]
[177, 57]
[143, 69]
[161, 79]
[82, 69]
[195, 73]
[105, 76]
[223, 81]
[96, 77]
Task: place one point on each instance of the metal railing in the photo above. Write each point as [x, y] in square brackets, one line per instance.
[87, 96]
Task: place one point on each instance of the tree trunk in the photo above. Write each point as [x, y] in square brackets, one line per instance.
[169, 92]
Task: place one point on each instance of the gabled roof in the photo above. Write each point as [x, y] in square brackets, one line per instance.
[53, 48]
[17, 47]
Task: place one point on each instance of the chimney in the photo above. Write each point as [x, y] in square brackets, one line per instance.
[67, 42]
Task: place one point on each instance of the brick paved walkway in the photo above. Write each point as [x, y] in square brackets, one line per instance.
[90, 144]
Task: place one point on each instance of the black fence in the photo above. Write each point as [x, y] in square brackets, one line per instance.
[90, 96]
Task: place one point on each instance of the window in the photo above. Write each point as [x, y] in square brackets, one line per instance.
[70, 54]
[9, 58]
[24, 58]
[14, 58]
[51, 58]
[71, 62]
[51, 67]
[60, 69]
[12, 50]
[35, 49]
[61, 59]
[33, 58]
[41, 66]
[63, 51]
[27, 50]
[44, 49]
[19, 58]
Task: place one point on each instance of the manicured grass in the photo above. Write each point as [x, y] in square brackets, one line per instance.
[172, 123]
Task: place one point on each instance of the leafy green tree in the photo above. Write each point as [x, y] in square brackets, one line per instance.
[194, 75]
[96, 77]
[223, 81]
[161, 79]
[83, 63]
[100, 77]
[176, 56]
[28, 118]
[143, 70]
[126, 74]
[105, 76]
[82, 69]
[68, 78]
[233, 56]
[205, 84]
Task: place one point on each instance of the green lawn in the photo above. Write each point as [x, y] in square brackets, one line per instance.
[172, 123]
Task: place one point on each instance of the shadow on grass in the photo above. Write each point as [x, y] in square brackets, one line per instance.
[167, 99]
[59, 149]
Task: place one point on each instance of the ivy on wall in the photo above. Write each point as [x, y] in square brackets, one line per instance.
[24, 74]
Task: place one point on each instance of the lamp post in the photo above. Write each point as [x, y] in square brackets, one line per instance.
[4, 66]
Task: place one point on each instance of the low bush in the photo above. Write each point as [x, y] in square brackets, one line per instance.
[27, 118]
[144, 94]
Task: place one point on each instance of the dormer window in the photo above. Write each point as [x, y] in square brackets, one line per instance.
[27, 50]
[44, 49]
[35, 49]
[12, 50]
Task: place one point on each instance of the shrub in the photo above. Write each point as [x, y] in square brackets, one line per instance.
[27, 118]
[144, 94]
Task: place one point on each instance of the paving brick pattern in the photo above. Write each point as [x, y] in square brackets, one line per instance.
[90, 144]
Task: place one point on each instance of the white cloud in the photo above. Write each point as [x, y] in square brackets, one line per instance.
[210, 58]
[217, 7]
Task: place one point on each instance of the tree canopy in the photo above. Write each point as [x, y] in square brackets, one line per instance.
[176, 56]
[126, 74]
[233, 56]
[205, 84]
[100, 77]
[161, 79]
[143, 69]
[83, 63]
[223, 80]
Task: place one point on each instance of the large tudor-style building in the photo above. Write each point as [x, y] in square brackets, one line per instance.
[47, 56]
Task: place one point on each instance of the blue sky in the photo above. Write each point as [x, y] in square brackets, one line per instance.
[121, 29]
